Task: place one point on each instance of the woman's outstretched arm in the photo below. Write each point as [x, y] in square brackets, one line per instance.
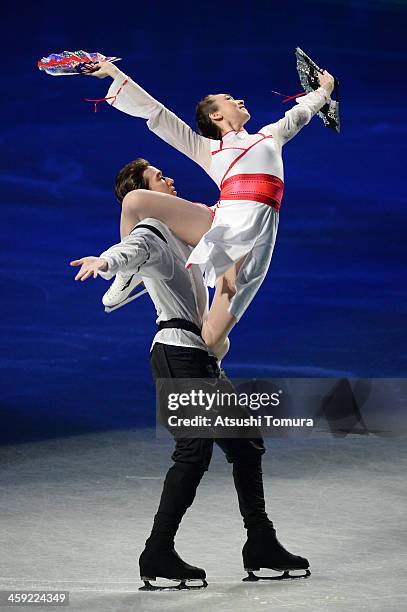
[128, 97]
[301, 114]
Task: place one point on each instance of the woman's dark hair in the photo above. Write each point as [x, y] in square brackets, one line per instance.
[205, 125]
[131, 177]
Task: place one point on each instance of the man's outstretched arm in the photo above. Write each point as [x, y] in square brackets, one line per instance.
[136, 254]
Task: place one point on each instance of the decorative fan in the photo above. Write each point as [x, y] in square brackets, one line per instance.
[308, 72]
[71, 62]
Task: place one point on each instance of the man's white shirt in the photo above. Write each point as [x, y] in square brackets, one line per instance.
[176, 292]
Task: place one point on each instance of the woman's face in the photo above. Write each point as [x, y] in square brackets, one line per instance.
[157, 182]
[229, 109]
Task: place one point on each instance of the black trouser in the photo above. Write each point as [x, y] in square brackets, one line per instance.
[192, 456]
[169, 361]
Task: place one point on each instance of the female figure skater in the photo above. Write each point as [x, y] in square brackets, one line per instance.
[234, 241]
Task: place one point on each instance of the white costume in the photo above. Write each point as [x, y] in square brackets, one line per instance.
[176, 292]
[246, 220]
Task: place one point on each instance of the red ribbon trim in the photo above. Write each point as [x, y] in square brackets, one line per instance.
[96, 102]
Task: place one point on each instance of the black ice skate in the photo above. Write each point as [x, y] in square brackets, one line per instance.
[166, 563]
[263, 550]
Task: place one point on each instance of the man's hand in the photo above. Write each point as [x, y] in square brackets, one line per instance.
[101, 70]
[89, 266]
[327, 81]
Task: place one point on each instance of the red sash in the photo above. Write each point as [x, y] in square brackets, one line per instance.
[264, 188]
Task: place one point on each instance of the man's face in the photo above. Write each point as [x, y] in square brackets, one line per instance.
[157, 182]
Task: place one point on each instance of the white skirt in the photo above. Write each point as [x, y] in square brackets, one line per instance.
[240, 228]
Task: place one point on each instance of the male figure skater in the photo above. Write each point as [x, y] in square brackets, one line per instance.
[156, 255]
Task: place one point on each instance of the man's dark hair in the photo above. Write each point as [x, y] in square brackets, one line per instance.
[131, 177]
[204, 123]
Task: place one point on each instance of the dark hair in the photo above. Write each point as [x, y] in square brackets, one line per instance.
[205, 125]
[131, 177]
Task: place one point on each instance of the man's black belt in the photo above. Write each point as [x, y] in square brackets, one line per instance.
[180, 324]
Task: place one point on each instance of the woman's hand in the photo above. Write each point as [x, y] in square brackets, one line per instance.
[89, 266]
[326, 81]
[101, 70]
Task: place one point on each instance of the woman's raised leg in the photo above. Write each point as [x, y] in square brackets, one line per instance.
[219, 321]
[187, 220]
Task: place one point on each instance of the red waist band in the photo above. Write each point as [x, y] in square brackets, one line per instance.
[264, 188]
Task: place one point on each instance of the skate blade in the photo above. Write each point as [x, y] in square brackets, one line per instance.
[182, 586]
[251, 577]
[126, 301]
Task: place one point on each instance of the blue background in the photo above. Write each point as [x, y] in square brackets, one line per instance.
[333, 303]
